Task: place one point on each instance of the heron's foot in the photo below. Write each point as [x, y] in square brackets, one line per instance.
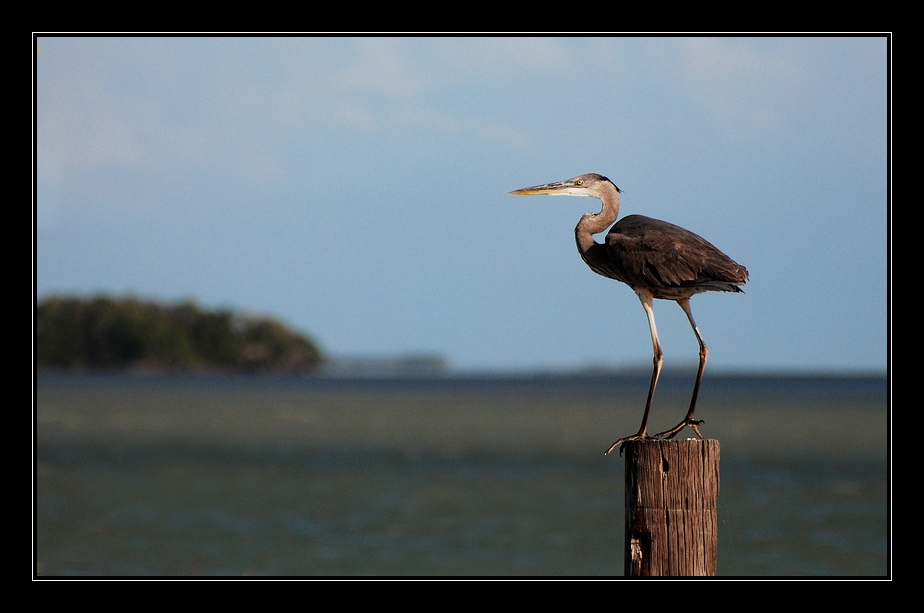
[669, 434]
[622, 442]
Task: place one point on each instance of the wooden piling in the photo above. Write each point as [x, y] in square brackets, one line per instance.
[671, 491]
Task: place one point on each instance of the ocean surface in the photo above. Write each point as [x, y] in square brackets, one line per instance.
[442, 476]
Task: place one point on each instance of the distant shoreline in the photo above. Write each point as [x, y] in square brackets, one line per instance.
[397, 372]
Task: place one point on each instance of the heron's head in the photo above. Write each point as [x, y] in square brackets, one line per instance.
[592, 185]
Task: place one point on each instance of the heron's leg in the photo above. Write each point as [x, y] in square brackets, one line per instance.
[658, 361]
[703, 358]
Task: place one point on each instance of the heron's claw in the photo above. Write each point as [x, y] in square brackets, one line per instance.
[621, 443]
[669, 434]
[666, 435]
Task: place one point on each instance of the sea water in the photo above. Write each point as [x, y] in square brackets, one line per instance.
[495, 476]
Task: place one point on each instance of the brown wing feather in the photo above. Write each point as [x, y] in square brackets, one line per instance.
[669, 260]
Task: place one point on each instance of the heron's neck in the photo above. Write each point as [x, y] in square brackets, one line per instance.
[594, 223]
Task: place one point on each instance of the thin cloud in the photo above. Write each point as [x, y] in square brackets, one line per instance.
[742, 88]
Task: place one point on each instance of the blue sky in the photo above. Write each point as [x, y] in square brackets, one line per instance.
[357, 189]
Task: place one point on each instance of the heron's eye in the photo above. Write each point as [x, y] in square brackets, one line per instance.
[580, 181]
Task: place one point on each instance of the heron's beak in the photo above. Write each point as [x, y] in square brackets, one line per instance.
[549, 189]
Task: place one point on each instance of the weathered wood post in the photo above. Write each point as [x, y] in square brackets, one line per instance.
[671, 491]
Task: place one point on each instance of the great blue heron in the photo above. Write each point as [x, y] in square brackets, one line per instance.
[657, 260]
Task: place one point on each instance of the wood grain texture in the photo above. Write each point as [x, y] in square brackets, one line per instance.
[671, 492]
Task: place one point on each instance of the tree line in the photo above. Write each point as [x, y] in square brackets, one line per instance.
[128, 333]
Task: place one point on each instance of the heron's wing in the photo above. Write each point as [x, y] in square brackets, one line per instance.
[657, 254]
